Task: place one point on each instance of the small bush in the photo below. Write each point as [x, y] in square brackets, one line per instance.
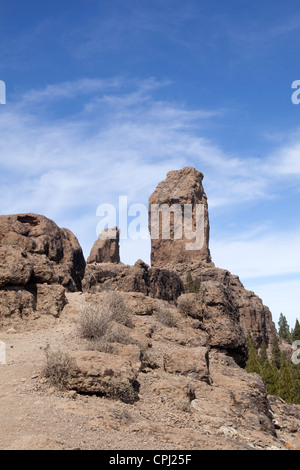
[59, 368]
[102, 345]
[118, 335]
[94, 321]
[148, 360]
[167, 318]
[118, 309]
[125, 391]
[185, 306]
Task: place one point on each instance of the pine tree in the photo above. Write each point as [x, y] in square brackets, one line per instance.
[263, 355]
[296, 331]
[276, 353]
[270, 376]
[253, 362]
[284, 329]
[296, 380]
[285, 382]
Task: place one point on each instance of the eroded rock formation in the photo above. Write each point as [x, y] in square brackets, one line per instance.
[154, 282]
[182, 203]
[106, 248]
[54, 253]
[38, 261]
[229, 310]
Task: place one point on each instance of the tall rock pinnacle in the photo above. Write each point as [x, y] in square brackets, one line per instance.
[178, 221]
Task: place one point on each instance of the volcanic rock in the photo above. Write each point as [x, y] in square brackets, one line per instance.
[154, 282]
[104, 374]
[229, 311]
[60, 258]
[181, 191]
[106, 248]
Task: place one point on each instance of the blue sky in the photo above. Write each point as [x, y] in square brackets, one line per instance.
[105, 97]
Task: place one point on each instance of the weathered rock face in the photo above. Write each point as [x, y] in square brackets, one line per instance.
[55, 254]
[180, 192]
[38, 260]
[189, 362]
[27, 285]
[154, 282]
[106, 248]
[18, 303]
[252, 315]
[229, 310]
[216, 309]
[104, 374]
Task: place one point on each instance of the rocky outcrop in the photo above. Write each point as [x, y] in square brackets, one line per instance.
[105, 375]
[189, 362]
[207, 399]
[154, 282]
[229, 311]
[54, 253]
[180, 234]
[106, 248]
[252, 314]
[38, 261]
[27, 285]
[18, 303]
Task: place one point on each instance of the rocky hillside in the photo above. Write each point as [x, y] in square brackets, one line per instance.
[124, 355]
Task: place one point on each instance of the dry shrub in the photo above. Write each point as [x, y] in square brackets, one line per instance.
[94, 321]
[125, 391]
[102, 345]
[167, 318]
[118, 309]
[59, 368]
[119, 335]
[185, 305]
[148, 359]
[96, 317]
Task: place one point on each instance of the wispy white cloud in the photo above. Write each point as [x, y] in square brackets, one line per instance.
[121, 141]
[264, 254]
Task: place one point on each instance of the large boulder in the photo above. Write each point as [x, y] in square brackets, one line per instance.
[38, 261]
[104, 374]
[55, 254]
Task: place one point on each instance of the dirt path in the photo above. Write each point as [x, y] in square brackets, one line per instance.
[36, 416]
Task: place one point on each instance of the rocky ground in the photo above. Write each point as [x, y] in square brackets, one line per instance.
[189, 397]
